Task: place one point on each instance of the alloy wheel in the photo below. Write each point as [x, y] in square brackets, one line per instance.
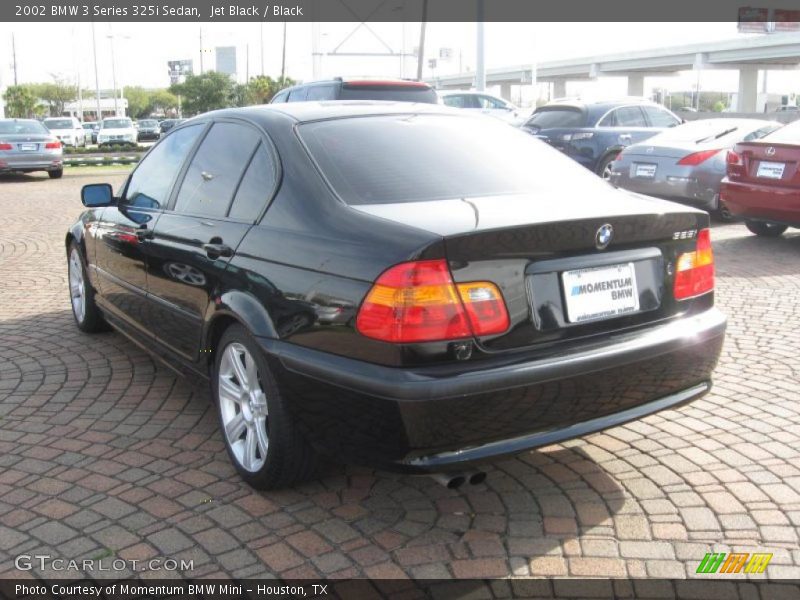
[77, 286]
[243, 406]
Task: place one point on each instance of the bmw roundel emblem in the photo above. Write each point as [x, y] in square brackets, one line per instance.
[604, 236]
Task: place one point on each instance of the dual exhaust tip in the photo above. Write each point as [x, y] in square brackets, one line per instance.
[453, 481]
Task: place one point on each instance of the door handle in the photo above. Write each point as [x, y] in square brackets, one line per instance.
[143, 233]
[215, 251]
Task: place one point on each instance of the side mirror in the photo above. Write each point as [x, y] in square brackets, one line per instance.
[96, 195]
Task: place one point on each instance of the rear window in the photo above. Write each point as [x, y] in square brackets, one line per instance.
[415, 158]
[395, 93]
[58, 123]
[148, 123]
[21, 127]
[548, 118]
[788, 134]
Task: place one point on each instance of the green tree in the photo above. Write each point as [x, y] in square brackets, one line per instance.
[162, 101]
[21, 101]
[209, 91]
[264, 87]
[139, 101]
[55, 94]
[719, 106]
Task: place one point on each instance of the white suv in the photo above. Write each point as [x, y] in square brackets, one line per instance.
[68, 130]
[116, 130]
[480, 102]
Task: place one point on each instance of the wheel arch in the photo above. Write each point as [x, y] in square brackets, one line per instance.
[234, 307]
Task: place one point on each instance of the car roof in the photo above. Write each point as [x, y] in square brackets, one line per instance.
[465, 92]
[335, 109]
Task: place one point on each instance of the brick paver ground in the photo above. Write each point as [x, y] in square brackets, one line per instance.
[106, 453]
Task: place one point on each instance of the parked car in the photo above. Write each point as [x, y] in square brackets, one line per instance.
[91, 130]
[68, 130]
[167, 124]
[148, 129]
[398, 90]
[26, 146]
[481, 103]
[763, 181]
[501, 297]
[593, 133]
[116, 130]
[686, 163]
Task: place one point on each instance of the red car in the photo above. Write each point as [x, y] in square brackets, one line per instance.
[763, 181]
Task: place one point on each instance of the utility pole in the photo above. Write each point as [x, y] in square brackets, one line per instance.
[14, 54]
[480, 64]
[246, 63]
[262, 48]
[201, 51]
[99, 116]
[283, 53]
[114, 75]
[423, 27]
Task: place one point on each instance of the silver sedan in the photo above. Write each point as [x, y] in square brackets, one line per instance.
[26, 145]
[686, 163]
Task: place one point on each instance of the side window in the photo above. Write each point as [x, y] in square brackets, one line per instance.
[322, 92]
[297, 95]
[151, 182]
[660, 118]
[610, 120]
[216, 169]
[630, 116]
[256, 186]
[456, 101]
[280, 97]
[487, 102]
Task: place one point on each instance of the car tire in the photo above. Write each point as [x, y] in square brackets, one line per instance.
[56, 173]
[88, 316]
[604, 167]
[261, 436]
[766, 229]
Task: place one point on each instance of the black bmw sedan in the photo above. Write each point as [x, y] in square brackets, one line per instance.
[396, 285]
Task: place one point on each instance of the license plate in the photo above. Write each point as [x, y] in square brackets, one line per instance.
[28, 147]
[600, 292]
[644, 170]
[770, 170]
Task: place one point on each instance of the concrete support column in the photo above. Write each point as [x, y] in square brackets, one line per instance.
[635, 85]
[505, 91]
[559, 88]
[747, 99]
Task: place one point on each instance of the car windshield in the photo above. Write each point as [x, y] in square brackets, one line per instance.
[148, 123]
[117, 124]
[415, 158]
[58, 123]
[547, 118]
[12, 127]
[788, 134]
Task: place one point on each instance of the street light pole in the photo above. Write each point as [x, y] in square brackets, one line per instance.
[99, 116]
[114, 74]
[480, 64]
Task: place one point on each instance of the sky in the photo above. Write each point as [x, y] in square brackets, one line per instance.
[141, 50]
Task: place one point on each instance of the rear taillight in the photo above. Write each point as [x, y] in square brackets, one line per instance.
[696, 158]
[6, 146]
[733, 158]
[53, 145]
[694, 271]
[418, 302]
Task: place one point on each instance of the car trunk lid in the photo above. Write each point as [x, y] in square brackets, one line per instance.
[547, 257]
[766, 163]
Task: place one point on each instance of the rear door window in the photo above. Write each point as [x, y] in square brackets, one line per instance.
[256, 186]
[629, 116]
[660, 118]
[322, 92]
[551, 118]
[215, 170]
[151, 182]
[298, 95]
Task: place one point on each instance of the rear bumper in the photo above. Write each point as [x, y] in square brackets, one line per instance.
[762, 202]
[439, 418]
[684, 188]
[31, 163]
